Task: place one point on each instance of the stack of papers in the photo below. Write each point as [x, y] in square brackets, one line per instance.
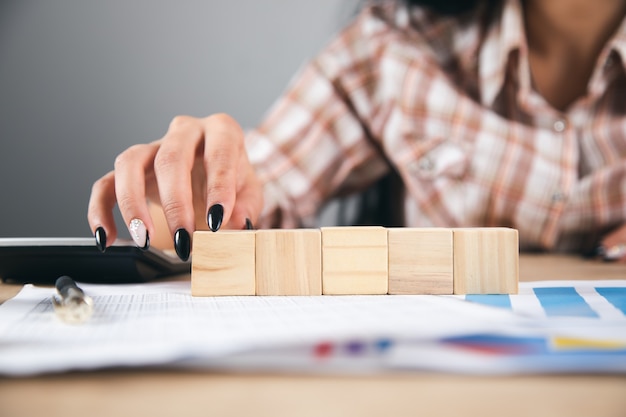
[577, 326]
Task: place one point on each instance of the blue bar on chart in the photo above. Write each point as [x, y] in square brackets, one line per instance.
[563, 301]
[615, 296]
[494, 300]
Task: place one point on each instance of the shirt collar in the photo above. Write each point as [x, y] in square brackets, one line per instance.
[507, 35]
[502, 38]
[618, 44]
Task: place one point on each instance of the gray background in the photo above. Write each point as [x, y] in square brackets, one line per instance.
[80, 81]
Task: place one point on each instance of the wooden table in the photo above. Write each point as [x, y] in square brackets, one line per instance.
[138, 392]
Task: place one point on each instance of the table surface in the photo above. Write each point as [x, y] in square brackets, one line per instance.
[154, 392]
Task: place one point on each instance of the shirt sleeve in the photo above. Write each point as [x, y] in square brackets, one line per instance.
[314, 143]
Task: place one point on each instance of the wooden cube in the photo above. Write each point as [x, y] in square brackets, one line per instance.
[486, 261]
[288, 262]
[354, 260]
[223, 263]
[420, 261]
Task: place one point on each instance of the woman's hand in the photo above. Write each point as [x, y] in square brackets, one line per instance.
[614, 245]
[198, 174]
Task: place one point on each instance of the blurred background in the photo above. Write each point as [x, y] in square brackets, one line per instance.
[81, 80]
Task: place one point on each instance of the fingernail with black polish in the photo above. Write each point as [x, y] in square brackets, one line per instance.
[182, 244]
[599, 251]
[101, 239]
[248, 225]
[215, 217]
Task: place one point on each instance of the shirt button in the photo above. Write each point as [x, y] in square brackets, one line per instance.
[558, 196]
[425, 165]
[422, 165]
[559, 125]
[423, 168]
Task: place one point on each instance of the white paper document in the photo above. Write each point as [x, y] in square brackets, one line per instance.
[548, 327]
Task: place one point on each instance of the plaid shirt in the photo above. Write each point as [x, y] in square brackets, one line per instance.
[448, 103]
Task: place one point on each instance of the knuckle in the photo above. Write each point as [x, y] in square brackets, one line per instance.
[182, 122]
[221, 190]
[165, 159]
[173, 208]
[129, 155]
[101, 185]
[183, 128]
[126, 202]
[222, 181]
[227, 124]
[222, 173]
[221, 118]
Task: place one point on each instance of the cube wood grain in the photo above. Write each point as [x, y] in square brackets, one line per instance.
[223, 263]
[288, 262]
[486, 261]
[420, 261]
[354, 260]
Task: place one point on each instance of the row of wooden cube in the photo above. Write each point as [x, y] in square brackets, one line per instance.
[355, 260]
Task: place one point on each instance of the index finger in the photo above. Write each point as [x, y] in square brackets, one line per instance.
[223, 149]
[173, 167]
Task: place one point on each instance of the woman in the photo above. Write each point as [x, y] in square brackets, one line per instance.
[509, 113]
